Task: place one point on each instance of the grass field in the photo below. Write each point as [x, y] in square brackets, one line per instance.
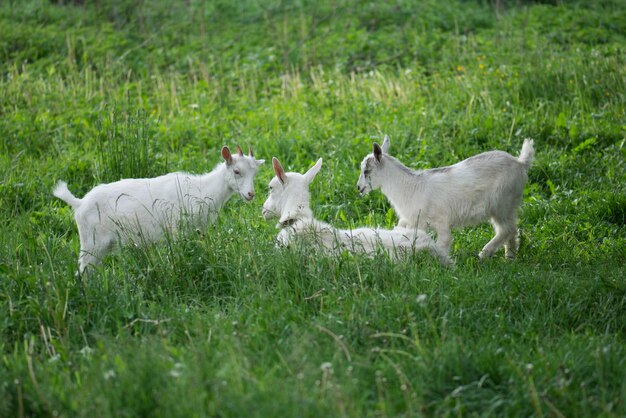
[223, 323]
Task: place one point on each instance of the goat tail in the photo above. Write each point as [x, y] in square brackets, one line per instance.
[62, 192]
[527, 154]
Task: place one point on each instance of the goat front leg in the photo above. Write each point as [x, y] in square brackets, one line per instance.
[403, 223]
[283, 238]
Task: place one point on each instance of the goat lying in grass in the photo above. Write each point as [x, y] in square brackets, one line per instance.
[487, 186]
[289, 200]
[147, 209]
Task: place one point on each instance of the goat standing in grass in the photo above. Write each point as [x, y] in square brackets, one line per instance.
[289, 200]
[147, 209]
[486, 186]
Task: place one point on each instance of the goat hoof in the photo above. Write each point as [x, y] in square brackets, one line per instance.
[447, 262]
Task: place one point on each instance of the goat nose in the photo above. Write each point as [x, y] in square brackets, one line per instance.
[251, 194]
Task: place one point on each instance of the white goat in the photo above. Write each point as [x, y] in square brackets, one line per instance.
[486, 186]
[289, 200]
[146, 209]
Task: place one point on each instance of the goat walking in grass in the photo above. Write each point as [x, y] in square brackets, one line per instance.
[289, 200]
[146, 209]
[486, 186]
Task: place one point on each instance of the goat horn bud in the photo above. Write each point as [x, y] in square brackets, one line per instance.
[239, 151]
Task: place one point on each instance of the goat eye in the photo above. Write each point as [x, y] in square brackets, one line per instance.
[237, 172]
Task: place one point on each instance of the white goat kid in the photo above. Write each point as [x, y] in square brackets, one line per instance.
[289, 200]
[486, 186]
[146, 209]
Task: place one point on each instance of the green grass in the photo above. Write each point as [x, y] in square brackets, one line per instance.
[223, 323]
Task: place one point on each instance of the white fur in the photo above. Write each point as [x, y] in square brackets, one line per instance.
[487, 186]
[289, 200]
[143, 210]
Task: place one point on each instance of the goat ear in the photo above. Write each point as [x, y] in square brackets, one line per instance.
[310, 175]
[239, 151]
[378, 152]
[251, 155]
[385, 146]
[278, 169]
[226, 155]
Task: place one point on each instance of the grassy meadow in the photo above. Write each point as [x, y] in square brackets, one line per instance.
[223, 323]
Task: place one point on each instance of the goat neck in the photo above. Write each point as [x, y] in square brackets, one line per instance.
[399, 181]
[215, 187]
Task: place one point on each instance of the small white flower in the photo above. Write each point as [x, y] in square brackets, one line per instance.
[176, 370]
[86, 351]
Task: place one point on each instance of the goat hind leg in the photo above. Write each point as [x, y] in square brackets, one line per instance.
[86, 260]
[512, 245]
[505, 231]
[92, 252]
